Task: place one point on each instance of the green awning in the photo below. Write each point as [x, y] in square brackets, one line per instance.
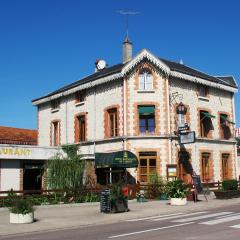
[146, 110]
[226, 120]
[206, 114]
[124, 159]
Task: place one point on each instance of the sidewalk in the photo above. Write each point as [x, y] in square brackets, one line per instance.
[54, 217]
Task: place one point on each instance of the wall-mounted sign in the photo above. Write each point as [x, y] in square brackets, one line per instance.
[188, 137]
[171, 171]
[15, 151]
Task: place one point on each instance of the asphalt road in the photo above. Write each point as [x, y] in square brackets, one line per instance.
[219, 224]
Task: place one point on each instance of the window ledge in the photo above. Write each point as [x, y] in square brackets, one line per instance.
[79, 103]
[55, 110]
[203, 98]
[146, 91]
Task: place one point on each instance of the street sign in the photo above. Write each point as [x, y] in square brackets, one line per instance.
[185, 127]
[187, 137]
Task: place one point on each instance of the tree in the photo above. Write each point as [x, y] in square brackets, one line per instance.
[65, 171]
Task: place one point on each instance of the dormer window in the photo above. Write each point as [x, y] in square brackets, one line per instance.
[145, 80]
[80, 97]
[55, 105]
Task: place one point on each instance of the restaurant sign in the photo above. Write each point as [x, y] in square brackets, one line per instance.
[10, 151]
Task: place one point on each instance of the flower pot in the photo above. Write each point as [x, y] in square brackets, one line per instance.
[21, 218]
[178, 201]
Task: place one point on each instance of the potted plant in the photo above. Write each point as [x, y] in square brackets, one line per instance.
[118, 202]
[21, 211]
[177, 191]
[228, 190]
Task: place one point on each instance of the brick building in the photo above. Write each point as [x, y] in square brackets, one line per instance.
[138, 107]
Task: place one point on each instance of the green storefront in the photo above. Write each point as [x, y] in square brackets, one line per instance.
[111, 167]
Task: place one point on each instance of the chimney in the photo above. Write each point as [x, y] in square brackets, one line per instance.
[127, 50]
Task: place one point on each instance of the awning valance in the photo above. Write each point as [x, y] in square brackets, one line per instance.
[226, 119]
[207, 114]
[146, 110]
[124, 159]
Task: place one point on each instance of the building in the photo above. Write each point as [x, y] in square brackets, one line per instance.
[139, 107]
[21, 160]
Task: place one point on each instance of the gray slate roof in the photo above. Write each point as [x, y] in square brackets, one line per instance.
[174, 66]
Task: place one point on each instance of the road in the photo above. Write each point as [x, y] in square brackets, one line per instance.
[220, 224]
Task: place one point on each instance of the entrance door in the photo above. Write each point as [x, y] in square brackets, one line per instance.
[32, 177]
[148, 163]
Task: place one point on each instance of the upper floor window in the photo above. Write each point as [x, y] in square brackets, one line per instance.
[55, 127]
[80, 96]
[225, 131]
[113, 122]
[146, 119]
[206, 123]
[145, 80]
[81, 128]
[55, 104]
[202, 91]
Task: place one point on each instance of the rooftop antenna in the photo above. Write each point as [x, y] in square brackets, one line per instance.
[127, 14]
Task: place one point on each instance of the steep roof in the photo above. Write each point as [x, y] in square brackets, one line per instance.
[173, 66]
[19, 136]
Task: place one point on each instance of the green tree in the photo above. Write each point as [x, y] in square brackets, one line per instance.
[65, 171]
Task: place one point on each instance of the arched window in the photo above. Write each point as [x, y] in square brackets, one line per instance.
[145, 80]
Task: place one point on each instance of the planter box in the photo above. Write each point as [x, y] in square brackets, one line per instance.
[21, 218]
[178, 201]
[119, 206]
[220, 194]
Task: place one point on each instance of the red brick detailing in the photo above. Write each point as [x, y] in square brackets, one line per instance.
[51, 125]
[19, 136]
[136, 117]
[106, 120]
[148, 67]
[76, 126]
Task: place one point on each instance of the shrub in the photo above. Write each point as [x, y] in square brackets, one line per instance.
[21, 206]
[231, 184]
[176, 189]
[157, 185]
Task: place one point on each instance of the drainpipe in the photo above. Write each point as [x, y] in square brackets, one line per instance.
[124, 115]
[169, 122]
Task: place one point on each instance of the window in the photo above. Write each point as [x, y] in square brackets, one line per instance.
[55, 104]
[184, 165]
[81, 129]
[225, 131]
[205, 164]
[145, 80]
[205, 123]
[146, 119]
[80, 96]
[225, 166]
[148, 162]
[202, 91]
[55, 133]
[113, 122]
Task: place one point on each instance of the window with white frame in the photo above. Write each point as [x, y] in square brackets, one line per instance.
[145, 80]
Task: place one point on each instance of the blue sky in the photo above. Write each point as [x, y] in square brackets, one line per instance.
[46, 44]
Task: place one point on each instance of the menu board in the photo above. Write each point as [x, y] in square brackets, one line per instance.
[105, 206]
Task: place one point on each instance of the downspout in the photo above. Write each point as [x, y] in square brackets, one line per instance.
[124, 116]
[169, 122]
[235, 148]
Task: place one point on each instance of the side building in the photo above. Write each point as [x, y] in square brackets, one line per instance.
[139, 107]
[21, 160]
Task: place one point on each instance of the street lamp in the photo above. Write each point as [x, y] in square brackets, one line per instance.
[181, 109]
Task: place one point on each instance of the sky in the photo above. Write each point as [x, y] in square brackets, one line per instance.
[46, 44]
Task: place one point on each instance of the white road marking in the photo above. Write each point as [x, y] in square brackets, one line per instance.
[172, 217]
[201, 217]
[146, 218]
[222, 220]
[235, 226]
[150, 230]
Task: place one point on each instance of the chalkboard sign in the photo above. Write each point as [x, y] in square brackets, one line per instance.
[105, 206]
[197, 183]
